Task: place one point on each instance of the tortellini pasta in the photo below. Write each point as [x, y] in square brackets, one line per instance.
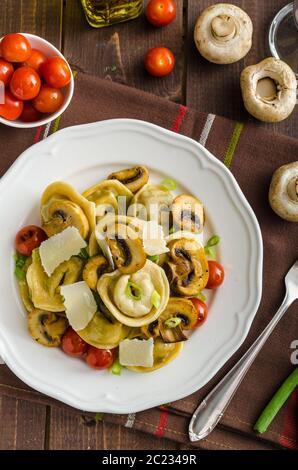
[106, 195]
[62, 206]
[45, 290]
[163, 353]
[117, 291]
[102, 333]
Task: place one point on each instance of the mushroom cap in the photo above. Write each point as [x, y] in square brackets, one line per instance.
[223, 33]
[272, 108]
[283, 192]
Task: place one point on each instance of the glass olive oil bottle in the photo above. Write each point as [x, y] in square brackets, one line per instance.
[107, 12]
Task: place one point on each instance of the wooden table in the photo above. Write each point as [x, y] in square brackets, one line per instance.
[116, 53]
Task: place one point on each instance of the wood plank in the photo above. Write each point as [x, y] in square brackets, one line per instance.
[117, 52]
[72, 431]
[22, 425]
[41, 17]
[215, 88]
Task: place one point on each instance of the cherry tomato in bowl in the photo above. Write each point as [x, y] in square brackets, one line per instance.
[15, 47]
[99, 358]
[202, 311]
[29, 238]
[6, 71]
[12, 108]
[72, 344]
[25, 83]
[36, 60]
[56, 72]
[216, 275]
[29, 114]
[159, 61]
[49, 99]
[161, 12]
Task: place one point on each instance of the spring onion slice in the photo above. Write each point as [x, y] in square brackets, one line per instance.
[169, 184]
[172, 322]
[201, 296]
[210, 251]
[133, 291]
[20, 261]
[153, 258]
[276, 402]
[115, 369]
[155, 299]
[213, 241]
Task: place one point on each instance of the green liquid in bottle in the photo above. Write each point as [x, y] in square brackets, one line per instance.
[101, 13]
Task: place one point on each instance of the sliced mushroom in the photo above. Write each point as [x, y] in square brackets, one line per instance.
[94, 268]
[46, 328]
[127, 250]
[178, 315]
[133, 178]
[151, 330]
[61, 214]
[283, 192]
[223, 33]
[269, 90]
[62, 206]
[188, 213]
[187, 268]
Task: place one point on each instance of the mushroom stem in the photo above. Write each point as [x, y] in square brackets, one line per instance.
[223, 27]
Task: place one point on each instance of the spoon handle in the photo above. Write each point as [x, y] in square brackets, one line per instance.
[212, 408]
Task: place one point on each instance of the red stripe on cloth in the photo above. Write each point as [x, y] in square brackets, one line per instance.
[179, 118]
[37, 135]
[163, 418]
[289, 435]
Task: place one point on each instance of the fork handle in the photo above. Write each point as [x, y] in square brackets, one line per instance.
[212, 408]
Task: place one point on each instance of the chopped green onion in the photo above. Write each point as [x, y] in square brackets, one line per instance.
[172, 230]
[98, 417]
[172, 322]
[169, 184]
[116, 367]
[20, 273]
[155, 299]
[213, 241]
[201, 296]
[83, 254]
[276, 402]
[210, 251]
[133, 291]
[20, 261]
[153, 258]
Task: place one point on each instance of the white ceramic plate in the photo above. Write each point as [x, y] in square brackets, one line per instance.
[82, 156]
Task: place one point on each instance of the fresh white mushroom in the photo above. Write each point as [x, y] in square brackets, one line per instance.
[283, 192]
[269, 90]
[223, 33]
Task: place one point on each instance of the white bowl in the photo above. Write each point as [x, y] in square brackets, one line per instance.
[50, 51]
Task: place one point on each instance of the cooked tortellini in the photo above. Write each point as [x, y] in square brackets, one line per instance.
[106, 196]
[62, 206]
[163, 353]
[152, 202]
[131, 299]
[45, 290]
[103, 333]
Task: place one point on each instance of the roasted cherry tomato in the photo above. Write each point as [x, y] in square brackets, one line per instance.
[15, 48]
[25, 83]
[12, 107]
[161, 12]
[29, 114]
[6, 71]
[159, 61]
[216, 275]
[202, 311]
[99, 358]
[73, 344]
[49, 99]
[29, 238]
[56, 72]
[35, 60]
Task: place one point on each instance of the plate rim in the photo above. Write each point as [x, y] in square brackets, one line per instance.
[109, 406]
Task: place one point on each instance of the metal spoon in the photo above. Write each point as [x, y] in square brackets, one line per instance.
[212, 408]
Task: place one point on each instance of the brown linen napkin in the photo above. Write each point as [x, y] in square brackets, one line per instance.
[252, 155]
